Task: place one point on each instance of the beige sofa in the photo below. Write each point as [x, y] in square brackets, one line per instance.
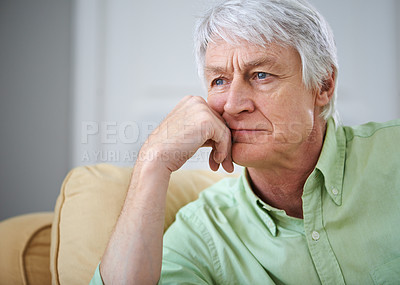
[65, 246]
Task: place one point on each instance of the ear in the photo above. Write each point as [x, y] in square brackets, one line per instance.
[325, 92]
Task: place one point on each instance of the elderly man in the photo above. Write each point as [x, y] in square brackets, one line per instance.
[317, 202]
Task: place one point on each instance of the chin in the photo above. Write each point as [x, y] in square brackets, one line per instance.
[259, 155]
[248, 155]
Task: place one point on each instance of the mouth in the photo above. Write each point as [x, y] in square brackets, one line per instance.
[248, 130]
[248, 135]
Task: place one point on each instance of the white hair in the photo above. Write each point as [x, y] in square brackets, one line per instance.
[292, 23]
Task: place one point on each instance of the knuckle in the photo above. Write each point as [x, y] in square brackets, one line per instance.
[187, 97]
[197, 99]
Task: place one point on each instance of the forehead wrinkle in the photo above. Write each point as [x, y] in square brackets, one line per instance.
[261, 61]
[214, 69]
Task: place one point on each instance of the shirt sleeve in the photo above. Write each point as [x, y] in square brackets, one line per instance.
[187, 253]
[96, 279]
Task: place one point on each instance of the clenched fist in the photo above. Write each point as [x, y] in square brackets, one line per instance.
[191, 124]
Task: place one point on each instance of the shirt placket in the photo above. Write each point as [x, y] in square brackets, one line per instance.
[320, 249]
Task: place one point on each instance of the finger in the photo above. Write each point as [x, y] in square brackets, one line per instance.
[227, 164]
[213, 165]
[221, 154]
[222, 144]
[208, 143]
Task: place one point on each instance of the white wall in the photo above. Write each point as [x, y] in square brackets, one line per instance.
[143, 66]
[146, 65]
[366, 33]
[34, 103]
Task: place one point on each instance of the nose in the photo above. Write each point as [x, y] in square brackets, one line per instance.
[239, 98]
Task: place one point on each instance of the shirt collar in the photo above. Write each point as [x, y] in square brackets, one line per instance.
[259, 206]
[330, 164]
[331, 161]
[272, 218]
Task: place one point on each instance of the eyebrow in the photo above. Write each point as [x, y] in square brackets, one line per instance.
[251, 64]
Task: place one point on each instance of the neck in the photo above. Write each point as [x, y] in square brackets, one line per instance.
[281, 186]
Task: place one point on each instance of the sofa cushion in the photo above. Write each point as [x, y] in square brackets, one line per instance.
[87, 209]
[25, 249]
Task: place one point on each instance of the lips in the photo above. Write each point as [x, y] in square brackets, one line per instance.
[249, 131]
[248, 135]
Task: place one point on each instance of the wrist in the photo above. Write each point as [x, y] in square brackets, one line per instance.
[149, 174]
[162, 157]
[152, 169]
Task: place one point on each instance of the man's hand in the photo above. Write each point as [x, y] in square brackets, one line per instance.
[191, 125]
[134, 252]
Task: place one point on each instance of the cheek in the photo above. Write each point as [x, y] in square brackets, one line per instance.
[297, 104]
[216, 102]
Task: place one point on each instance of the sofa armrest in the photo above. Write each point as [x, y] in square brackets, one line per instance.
[88, 207]
[25, 249]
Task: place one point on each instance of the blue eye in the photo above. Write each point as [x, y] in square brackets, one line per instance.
[262, 75]
[219, 81]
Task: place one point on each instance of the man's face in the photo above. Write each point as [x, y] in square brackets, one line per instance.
[260, 94]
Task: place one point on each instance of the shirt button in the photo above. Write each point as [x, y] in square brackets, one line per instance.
[315, 235]
[335, 191]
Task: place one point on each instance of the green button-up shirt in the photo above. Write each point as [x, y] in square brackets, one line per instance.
[350, 232]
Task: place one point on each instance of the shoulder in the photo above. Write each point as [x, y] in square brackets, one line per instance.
[215, 198]
[373, 146]
[373, 130]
